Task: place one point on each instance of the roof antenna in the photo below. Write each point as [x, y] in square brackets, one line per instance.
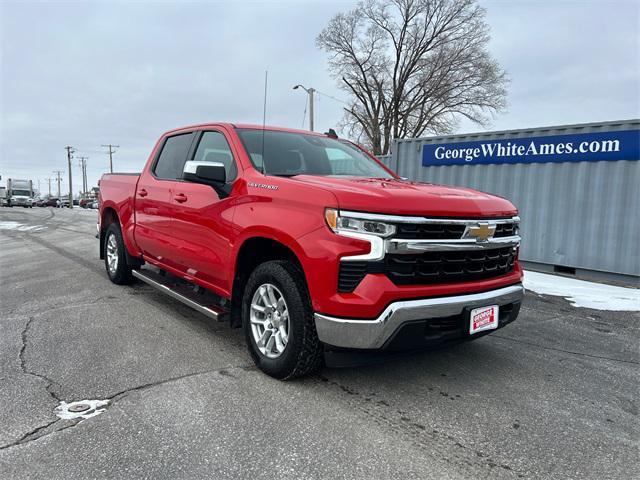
[264, 120]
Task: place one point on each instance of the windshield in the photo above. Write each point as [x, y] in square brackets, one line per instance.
[21, 193]
[289, 154]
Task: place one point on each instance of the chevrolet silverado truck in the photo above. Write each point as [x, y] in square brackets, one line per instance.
[310, 244]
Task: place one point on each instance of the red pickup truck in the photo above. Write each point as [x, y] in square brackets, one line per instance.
[310, 244]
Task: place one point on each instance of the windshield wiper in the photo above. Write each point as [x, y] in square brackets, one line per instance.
[284, 174]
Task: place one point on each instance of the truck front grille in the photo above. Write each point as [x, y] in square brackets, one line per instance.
[449, 266]
[431, 267]
[442, 230]
[429, 231]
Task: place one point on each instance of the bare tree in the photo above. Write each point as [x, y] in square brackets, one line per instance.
[413, 67]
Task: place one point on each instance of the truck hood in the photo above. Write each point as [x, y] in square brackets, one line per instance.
[403, 197]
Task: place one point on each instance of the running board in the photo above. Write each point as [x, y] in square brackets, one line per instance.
[201, 300]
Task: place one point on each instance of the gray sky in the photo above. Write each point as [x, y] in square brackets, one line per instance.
[90, 73]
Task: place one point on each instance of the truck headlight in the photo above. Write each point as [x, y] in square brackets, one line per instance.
[361, 228]
[340, 223]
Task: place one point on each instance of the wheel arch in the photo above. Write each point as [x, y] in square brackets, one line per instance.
[108, 215]
[253, 251]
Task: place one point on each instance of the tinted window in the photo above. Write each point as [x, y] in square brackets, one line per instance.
[173, 156]
[213, 147]
[291, 153]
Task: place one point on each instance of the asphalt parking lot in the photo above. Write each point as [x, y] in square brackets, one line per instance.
[554, 395]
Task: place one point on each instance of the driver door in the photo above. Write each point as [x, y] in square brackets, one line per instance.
[202, 219]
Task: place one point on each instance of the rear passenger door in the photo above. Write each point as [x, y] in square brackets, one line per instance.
[154, 199]
[203, 218]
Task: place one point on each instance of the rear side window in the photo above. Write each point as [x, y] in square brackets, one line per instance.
[174, 154]
[213, 147]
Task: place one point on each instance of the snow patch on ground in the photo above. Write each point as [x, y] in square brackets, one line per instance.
[20, 227]
[584, 294]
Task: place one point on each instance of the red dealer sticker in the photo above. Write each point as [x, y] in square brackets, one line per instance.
[484, 318]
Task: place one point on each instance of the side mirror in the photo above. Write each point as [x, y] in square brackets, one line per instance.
[209, 173]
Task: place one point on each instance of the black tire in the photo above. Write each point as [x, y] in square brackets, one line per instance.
[122, 273]
[303, 353]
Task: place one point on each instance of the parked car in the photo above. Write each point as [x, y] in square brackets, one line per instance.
[310, 244]
[64, 202]
[52, 202]
[85, 202]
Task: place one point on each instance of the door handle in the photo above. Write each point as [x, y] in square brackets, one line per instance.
[142, 192]
[180, 198]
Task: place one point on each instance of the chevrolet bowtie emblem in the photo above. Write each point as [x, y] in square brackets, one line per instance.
[482, 232]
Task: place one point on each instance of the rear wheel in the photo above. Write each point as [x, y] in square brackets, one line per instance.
[115, 258]
[278, 321]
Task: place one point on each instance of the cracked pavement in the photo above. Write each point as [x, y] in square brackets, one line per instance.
[552, 396]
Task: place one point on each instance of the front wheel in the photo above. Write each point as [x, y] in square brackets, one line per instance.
[115, 258]
[278, 321]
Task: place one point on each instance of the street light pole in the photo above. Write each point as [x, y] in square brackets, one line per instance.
[310, 92]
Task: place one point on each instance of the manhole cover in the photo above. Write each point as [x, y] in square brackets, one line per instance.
[81, 409]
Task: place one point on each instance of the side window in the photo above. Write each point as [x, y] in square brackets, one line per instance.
[174, 154]
[213, 147]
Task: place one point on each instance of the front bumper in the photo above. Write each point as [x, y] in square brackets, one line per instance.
[377, 333]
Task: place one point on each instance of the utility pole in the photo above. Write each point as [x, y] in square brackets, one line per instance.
[83, 167]
[49, 181]
[111, 152]
[70, 151]
[310, 92]
[58, 173]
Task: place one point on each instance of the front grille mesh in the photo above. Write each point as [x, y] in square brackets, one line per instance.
[431, 267]
[449, 266]
[429, 231]
[506, 230]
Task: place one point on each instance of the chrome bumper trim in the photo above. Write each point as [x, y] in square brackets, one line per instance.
[374, 333]
[397, 245]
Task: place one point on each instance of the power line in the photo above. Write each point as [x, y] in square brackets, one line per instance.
[333, 98]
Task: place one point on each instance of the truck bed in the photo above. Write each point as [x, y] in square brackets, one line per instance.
[118, 187]
[118, 191]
